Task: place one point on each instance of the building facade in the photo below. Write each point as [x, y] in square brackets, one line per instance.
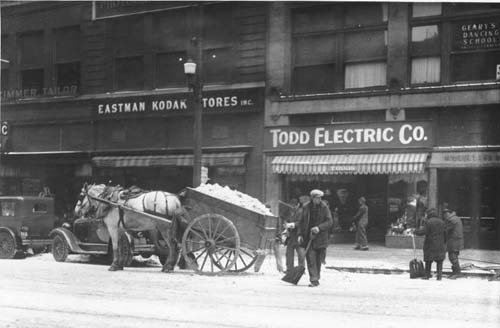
[390, 101]
[96, 92]
[396, 102]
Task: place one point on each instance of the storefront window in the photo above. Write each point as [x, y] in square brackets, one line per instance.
[326, 48]
[32, 79]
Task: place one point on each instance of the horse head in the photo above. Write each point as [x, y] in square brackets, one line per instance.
[87, 203]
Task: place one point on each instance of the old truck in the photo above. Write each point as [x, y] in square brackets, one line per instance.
[25, 224]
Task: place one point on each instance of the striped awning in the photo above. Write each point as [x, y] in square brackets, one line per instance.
[350, 164]
[215, 159]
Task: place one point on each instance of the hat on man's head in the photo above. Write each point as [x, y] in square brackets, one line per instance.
[316, 193]
[447, 210]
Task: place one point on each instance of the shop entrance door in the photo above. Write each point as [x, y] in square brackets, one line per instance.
[474, 194]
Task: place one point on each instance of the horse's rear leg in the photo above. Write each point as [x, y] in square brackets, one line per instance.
[173, 253]
[117, 264]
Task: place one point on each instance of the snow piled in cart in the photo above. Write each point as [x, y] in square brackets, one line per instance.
[234, 197]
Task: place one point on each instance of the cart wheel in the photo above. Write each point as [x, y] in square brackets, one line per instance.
[211, 244]
[7, 246]
[60, 249]
[245, 260]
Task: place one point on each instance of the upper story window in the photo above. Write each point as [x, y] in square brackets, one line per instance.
[218, 40]
[426, 9]
[172, 39]
[475, 52]
[31, 45]
[425, 50]
[68, 57]
[5, 65]
[337, 47]
[127, 42]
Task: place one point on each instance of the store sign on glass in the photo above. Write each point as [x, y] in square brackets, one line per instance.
[353, 135]
[478, 34]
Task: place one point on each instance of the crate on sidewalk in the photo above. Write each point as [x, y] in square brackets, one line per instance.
[403, 241]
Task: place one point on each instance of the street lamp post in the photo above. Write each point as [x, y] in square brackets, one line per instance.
[193, 72]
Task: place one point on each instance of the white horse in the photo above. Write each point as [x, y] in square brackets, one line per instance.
[120, 212]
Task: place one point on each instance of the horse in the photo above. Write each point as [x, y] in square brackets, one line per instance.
[121, 212]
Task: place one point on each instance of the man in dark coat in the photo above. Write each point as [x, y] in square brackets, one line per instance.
[454, 240]
[315, 221]
[434, 244]
[361, 221]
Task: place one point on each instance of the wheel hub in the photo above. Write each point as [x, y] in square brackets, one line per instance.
[210, 245]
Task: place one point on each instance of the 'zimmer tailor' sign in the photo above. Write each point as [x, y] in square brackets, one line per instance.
[154, 105]
[344, 136]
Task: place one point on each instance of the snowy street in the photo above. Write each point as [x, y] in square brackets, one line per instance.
[39, 292]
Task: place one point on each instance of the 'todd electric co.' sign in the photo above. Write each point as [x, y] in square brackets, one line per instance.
[352, 135]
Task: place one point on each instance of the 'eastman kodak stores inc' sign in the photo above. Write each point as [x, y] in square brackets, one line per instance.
[212, 101]
[478, 34]
[351, 135]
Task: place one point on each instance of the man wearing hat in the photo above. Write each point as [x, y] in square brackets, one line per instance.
[361, 221]
[314, 224]
[454, 240]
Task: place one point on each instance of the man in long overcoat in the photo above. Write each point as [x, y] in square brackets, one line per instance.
[315, 222]
[433, 228]
[361, 221]
[454, 240]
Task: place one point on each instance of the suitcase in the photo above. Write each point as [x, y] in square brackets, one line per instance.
[416, 266]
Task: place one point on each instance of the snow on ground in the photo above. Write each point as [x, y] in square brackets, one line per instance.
[39, 292]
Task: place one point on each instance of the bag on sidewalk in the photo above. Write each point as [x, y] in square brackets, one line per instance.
[416, 266]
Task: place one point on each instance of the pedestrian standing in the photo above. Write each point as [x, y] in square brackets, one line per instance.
[292, 244]
[361, 221]
[315, 221]
[454, 240]
[433, 228]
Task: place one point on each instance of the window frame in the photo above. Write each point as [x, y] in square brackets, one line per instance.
[66, 61]
[338, 57]
[420, 54]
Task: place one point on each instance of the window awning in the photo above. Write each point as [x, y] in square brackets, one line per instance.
[350, 164]
[215, 159]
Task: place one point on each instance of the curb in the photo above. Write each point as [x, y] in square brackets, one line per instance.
[484, 275]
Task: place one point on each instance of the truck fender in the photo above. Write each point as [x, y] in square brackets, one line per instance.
[11, 232]
[68, 236]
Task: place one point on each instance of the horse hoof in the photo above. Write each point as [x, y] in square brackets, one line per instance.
[115, 268]
[166, 270]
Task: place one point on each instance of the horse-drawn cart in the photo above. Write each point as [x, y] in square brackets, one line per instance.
[223, 236]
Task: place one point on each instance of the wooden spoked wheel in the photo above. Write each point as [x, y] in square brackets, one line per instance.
[245, 260]
[211, 244]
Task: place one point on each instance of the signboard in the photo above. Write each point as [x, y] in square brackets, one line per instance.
[158, 105]
[477, 34]
[351, 135]
[4, 129]
[109, 9]
[67, 90]
[466, 159]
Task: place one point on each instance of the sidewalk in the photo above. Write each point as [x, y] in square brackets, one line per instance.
[383, 260]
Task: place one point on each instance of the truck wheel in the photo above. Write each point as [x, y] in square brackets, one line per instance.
[7, 245]
[60, 249]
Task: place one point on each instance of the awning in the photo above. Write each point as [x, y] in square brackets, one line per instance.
[215, 159]
[350, 164]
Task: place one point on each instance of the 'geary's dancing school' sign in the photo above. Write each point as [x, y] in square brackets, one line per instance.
[353, 135]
